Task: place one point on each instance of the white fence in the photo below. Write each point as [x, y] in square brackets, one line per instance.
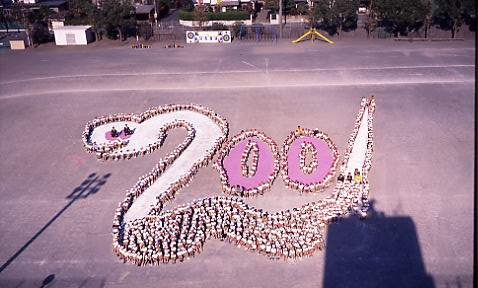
[289, 19]
[209, 23]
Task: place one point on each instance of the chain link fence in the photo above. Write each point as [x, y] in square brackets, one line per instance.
[173, 32]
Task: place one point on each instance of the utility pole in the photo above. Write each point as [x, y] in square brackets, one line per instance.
[155, 13]
[280, 19]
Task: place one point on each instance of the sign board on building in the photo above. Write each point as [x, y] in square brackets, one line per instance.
[208, 36]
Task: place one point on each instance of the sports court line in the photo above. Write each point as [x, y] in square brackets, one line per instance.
[279, 86]
[249, 64]
[235, 72]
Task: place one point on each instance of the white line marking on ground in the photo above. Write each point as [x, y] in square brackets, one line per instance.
[249, 64]
[279, 86]
[234, 72]
[218, 65]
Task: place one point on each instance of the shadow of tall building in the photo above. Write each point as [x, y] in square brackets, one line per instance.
[380, 251]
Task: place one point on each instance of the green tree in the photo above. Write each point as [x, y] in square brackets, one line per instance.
[470, 13]
[187, 5]
[116, 17]
[83, 12]
[163, 7]
[322, 12]
[302, 8]
[287, 6]
[94, 19]
[370, 19]
[200, 15]
[344, 14]
[19, 15]
[451, 14]
[38, 23]
[401, 16]
[336, 15]
[4, 18]
[79, 12]
[428, 17]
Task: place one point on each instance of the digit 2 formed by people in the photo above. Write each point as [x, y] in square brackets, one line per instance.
[145, 233]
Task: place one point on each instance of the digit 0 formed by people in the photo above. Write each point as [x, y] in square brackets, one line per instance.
[146, 233]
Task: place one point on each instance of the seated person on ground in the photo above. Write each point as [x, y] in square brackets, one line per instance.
[357, 176]
[341, 177]
[114, 133]
[126, 130]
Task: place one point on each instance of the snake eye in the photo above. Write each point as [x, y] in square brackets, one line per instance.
[248, 164]
[301, 174]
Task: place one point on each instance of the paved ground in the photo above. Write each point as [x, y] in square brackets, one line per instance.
[55, 221]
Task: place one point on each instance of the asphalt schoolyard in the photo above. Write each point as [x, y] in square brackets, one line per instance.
[56, 216]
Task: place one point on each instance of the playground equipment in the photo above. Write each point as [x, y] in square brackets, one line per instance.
[313, 33]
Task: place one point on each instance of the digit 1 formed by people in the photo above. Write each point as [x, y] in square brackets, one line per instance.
[146, 233]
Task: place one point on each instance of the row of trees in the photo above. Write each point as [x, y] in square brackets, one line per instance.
[113, 18]
[34, 22]
[116, 18]
[396, 16]
[331, 15]
[403, 16]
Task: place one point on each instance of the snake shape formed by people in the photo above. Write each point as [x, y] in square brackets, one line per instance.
[145, 233]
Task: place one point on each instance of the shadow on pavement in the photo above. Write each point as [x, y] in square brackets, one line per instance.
[89, 186]
[48, 280]
[53, 281]
[380, 251]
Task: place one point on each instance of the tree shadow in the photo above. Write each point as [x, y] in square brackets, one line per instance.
[380, 251]
[91, 185]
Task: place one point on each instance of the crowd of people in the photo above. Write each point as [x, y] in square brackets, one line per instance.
[179, 234]
[110, 150]
[251, 150]
[361, 206]
[174, 235]
[238, 190]
[295, 184]
[364, 104]
[151, 147]
[305, 148]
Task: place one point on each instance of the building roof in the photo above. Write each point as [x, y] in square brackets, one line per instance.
[48, 3]
[73, 27]
[144, 9]
[12, 25]
[229, 3]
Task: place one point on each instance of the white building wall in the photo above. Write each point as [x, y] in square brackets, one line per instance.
[71, 36]
[214, 2]
[60, 37]
[209, 23]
